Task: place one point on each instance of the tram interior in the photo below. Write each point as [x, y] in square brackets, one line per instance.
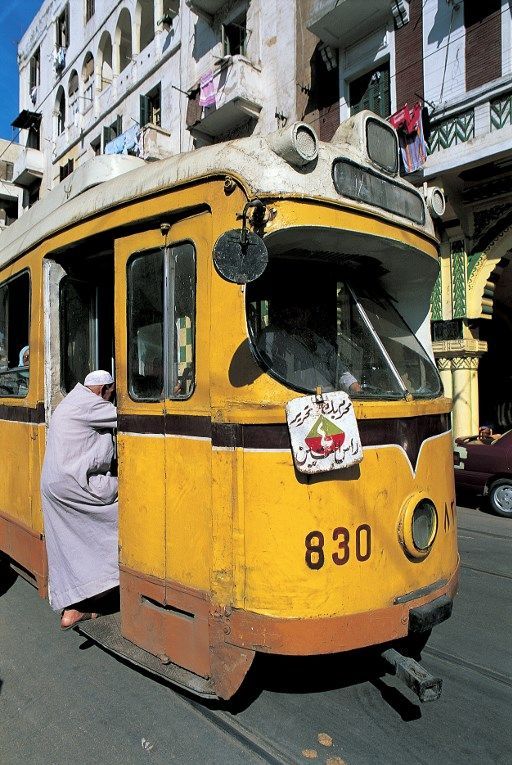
[86, 314]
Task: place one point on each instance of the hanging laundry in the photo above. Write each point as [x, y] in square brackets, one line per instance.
[207, 90]
[59, 59]
[408, 123]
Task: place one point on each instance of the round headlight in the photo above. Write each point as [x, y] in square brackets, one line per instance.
[436, 201]
[424, 522]
[297, 143]
[418, 526]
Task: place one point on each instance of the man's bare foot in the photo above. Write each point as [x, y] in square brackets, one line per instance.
[71, 616]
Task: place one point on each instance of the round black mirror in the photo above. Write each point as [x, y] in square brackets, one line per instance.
[240, 256]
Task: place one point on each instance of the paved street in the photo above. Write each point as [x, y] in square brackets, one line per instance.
[63, 699]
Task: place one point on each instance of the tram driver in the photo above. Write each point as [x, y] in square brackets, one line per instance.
[79, 497]
[301, 355]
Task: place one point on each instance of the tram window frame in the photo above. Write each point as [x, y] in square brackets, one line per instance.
[9, 343]
[173, 378]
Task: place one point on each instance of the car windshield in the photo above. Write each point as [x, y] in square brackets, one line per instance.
[319, 323]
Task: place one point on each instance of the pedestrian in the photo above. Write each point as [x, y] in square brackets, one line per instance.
[79, 497]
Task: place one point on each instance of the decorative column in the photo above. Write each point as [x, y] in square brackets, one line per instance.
[445, 370]
[462, 419]
[458, 361]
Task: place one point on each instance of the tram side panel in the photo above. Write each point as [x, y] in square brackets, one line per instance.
[22, 418]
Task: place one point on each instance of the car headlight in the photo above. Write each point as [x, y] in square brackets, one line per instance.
[418, 526]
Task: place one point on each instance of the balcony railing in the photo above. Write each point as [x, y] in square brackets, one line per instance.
[452, 131]
[28, 167]
[486, 119]
[238, 97]
[501, 112]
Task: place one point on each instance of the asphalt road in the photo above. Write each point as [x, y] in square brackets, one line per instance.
[63, 699]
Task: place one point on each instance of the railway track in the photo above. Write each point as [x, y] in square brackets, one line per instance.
[499, 677]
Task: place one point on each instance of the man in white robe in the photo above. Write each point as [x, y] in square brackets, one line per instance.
[79, 497]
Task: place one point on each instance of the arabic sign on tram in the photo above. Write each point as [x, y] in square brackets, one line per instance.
[324, 433]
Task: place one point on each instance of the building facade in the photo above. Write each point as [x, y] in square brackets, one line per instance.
[159, 77]
[10, 195]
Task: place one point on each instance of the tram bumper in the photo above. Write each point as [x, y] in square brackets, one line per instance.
[322, 635]
[424, 618]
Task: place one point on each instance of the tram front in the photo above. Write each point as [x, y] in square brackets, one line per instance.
[341, 555]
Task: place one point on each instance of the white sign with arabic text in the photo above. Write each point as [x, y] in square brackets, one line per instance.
[324, 433]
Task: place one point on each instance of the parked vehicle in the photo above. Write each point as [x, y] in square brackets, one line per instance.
[483, 465]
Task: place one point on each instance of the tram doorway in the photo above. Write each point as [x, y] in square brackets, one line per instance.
[80, 320]
[495, 369]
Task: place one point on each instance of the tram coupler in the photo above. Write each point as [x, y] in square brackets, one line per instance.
[422, 683]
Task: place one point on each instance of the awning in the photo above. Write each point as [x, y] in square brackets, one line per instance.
[26, 119]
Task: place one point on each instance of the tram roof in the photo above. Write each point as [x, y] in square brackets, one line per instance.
[106, 182]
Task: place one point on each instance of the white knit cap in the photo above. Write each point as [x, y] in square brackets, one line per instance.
[98, 377]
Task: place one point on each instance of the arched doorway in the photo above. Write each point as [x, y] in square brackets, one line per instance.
[495, 372]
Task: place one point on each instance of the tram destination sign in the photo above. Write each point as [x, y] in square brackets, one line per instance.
[365, 185]
[323, 432]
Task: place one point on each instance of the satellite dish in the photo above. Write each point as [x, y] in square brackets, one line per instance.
[240, 256]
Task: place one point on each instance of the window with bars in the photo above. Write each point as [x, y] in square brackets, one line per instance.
[371, 91]
[89, 10]
[88, 79]
[6, 169]
[66, 169]
[35, 70]
[112, 131]
[150, 108]
[62, 29]
[235, 36]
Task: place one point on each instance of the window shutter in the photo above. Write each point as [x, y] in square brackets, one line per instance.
[119, 125]
[106, 136]
[144, 110]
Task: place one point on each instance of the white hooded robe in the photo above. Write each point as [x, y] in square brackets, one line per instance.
[79, 499]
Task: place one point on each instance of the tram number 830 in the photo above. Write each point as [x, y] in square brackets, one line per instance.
[360, 545]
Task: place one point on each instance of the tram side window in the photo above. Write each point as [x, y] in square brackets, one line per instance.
[14, 334]
[161, 324]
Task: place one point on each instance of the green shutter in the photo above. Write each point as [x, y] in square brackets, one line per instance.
[144, 111]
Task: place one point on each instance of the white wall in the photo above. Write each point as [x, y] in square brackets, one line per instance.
[443, 51]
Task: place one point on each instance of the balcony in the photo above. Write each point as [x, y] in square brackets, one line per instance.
[339, 23]
[205, 7]
[238, 96]
[28, 167]
[475, 128]
[154, 143]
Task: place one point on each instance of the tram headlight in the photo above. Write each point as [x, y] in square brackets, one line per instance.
[418, 526]
[297, 143]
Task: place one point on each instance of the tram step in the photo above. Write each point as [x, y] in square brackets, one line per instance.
[106, 632]
[422, 683]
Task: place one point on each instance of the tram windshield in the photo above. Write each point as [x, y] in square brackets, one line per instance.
[314, 322]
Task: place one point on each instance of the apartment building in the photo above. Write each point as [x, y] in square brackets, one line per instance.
[159, 77]
[10, 194]
[452, 59]
[147, 77]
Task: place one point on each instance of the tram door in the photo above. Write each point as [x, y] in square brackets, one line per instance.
[79, 291]
[162, 323]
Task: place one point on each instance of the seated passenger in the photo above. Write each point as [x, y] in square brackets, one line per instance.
[24, 358]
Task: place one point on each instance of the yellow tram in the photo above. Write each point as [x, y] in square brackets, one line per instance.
[180, 275]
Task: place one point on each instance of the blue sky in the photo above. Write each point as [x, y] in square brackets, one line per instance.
[15, 16]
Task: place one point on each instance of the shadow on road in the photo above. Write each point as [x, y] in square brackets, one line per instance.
[473, 500]
[7, 575]
[318, 674]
